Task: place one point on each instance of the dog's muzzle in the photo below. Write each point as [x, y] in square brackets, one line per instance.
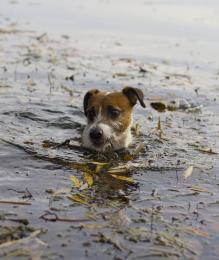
[97, 136]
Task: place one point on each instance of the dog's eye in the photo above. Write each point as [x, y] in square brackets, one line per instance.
[113, 112]
[91, 113]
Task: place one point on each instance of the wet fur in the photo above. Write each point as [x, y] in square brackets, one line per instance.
[117, 133]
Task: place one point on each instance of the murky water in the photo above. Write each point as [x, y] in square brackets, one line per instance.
[51, 53]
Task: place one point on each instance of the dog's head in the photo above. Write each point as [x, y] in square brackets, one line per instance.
[109, 118]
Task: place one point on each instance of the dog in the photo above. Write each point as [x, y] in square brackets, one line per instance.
[109, 118]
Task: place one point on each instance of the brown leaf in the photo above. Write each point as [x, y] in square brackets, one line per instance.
[79, 198]
[159, 124]
[159, 106]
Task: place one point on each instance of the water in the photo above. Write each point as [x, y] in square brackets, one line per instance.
[106, 44]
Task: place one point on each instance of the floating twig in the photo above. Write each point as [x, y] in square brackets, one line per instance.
[27, 193]
[15, 202]
[50, 216]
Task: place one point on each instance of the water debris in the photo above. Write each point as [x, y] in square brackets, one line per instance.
[129, 200]
[167, 239]
[79, 198]
[60, 192]
[154, 193]
[27, 193]
[159, 106]
[124, 219]
[122, 178]
[50, 191]
[40, 37]
[180, 76]
[154, 252]
[143, 70]
[50, 216]
[139, 149]
[177, 104]
[187, 194]
[99, 166]
[206, 150]
[9, 31]
[159, 128]
[195, 231]
[187, 172]
[113, 240]
[94, 226]
[119, 169]
[200, 189]
[68, 143]
[137, 234]
[120, 75]
[136, 130]
[15, 202]
[23, 221]
[29, 246]
[88, 178]
[5, 86]
[75, 181]
[72, 78]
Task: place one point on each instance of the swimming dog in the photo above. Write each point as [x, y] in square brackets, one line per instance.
[109, 118]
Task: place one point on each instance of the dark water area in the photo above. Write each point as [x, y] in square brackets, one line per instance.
[158, 199]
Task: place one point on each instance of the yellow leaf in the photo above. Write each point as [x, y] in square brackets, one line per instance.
[88, 178]
[122, 178]
[188, 172]
[99, 166]
[119, 169]
[136, 130]
[75, 181]
[79, 198]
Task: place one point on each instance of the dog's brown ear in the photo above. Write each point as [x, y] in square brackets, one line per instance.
[134, 95]
[87, 97]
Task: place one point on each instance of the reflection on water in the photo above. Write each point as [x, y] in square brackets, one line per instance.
[144, 26]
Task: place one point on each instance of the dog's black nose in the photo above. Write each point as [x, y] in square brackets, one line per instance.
[96, 133]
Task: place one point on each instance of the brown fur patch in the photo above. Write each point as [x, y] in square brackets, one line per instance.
[101, 101]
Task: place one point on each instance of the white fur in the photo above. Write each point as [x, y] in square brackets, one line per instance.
[112, 140]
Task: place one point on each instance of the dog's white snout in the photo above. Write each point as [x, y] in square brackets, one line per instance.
[106, 129]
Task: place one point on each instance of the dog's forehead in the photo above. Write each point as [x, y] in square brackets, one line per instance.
[114, 99]
[117, 99]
